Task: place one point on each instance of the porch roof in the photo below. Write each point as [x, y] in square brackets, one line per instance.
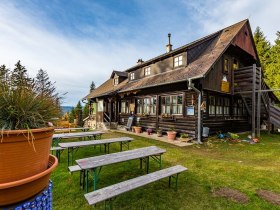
[106, 88]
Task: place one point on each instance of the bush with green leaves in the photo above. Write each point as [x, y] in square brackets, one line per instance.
[25, 102]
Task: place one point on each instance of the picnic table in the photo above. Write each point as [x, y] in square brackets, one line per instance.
[93, 163]
[71, 146]
[94, 134]
[68, 130]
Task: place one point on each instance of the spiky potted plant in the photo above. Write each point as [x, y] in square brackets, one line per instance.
[26, 107]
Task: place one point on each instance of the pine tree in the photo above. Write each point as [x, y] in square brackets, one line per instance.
[72, 115]
[79, 114]
[4, 74]
[19, 77]
[272, 72]
[86, 110]
[92, 86]
[43, 84]
[263, 46]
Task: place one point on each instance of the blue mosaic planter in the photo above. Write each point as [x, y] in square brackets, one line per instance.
[42, 201]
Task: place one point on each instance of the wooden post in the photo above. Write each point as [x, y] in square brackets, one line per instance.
[254, 102]
[259, 105]
[110, 110]
[157, 112]
[269, 122]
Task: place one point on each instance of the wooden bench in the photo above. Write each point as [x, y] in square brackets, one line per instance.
[58, 151]
[108, 193]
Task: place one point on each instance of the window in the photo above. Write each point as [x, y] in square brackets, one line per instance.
[139, 106]
[239, 108]
[116, 81]
[172, 104]
[124, 107]
[147, 106]
[147, 71]
[226, 65]
[219, 106]
[211, 105]
[226, 106]
[235, 64]
[178, 61]
[132, 76]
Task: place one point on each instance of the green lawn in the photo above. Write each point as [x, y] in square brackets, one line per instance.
[214, 164]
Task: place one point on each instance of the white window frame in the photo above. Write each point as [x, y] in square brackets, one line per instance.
[147, 71]
[178, 61]
[132, 76]
[116, 81]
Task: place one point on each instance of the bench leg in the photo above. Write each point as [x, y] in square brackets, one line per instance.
[176, 181]
[110, 204]
[147, 165]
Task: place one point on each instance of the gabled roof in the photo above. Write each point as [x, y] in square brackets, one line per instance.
[219, 42]
[196, 69]
[106, 88]
[119, 73]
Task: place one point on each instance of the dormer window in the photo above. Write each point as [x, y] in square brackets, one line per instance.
[132, 76]
[147, 71]
[116, 81]
[178, 61]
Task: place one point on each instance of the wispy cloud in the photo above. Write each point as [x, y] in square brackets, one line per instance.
[213, 15]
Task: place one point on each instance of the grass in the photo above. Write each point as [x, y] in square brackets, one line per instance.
[214, 164]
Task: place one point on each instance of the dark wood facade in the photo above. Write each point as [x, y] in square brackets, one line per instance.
[158, 92]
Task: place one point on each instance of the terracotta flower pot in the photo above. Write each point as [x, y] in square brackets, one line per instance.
[171, 135]
[20, 190]
[21, 158]
[137, 129]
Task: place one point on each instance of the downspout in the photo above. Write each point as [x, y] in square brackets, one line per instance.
[191, 86]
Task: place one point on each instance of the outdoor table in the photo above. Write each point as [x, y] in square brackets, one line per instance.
[71, 146]
[93, 163]
[94, 134]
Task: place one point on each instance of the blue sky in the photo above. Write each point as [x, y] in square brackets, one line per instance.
[82, 41]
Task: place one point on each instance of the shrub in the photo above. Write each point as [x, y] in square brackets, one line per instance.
[25, 102]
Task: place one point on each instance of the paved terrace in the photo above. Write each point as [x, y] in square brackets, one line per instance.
[154, 136]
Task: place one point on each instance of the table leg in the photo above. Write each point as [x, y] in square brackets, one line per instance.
[86, 171]
[160, 162]
[68, 155]
[94, 179]
[141, 163]
[72, 154]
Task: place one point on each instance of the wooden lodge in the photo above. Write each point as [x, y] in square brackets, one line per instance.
[214, 76]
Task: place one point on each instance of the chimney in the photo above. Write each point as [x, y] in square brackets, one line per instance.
[140, 61]
[169, 46]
